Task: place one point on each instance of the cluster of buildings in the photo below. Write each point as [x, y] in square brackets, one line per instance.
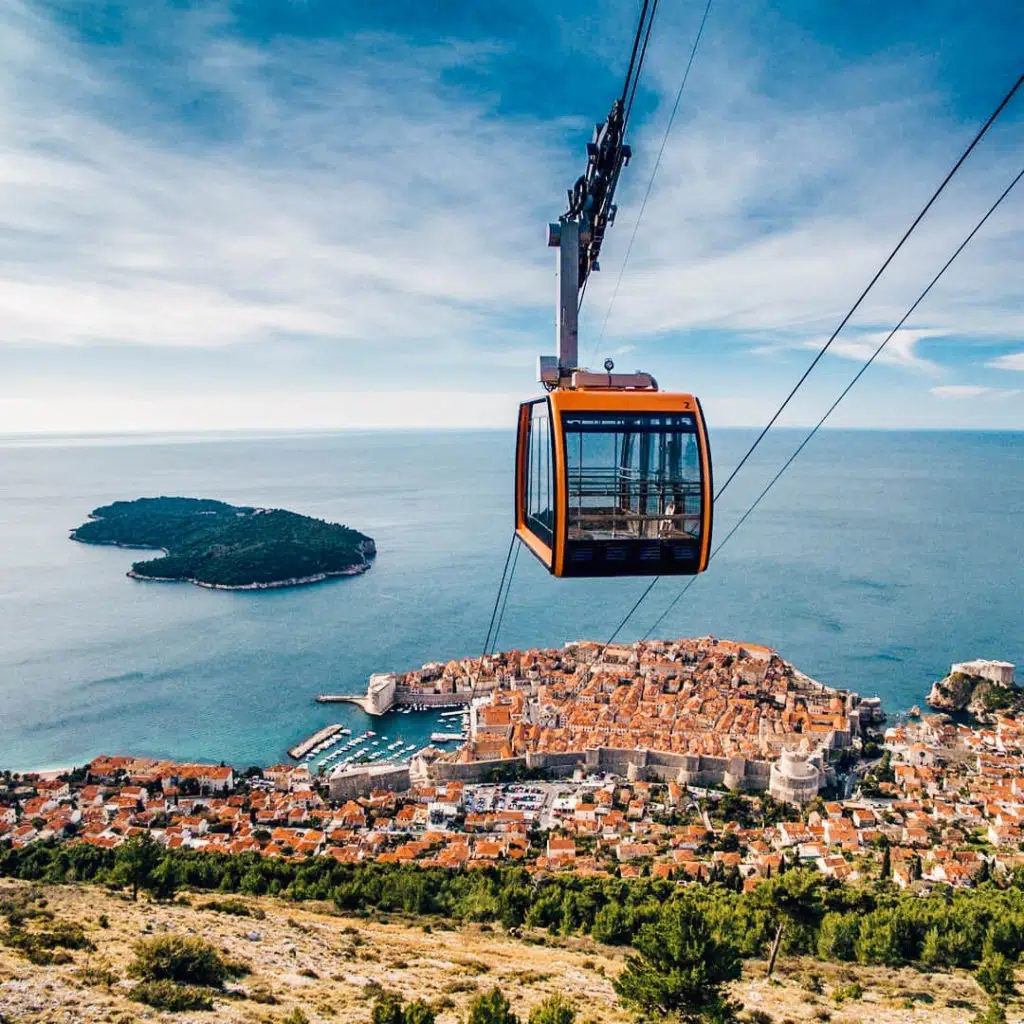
[700, 712]
[637, 744]
[946, 806]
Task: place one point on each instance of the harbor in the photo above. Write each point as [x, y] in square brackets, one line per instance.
[340, 749]
[394, 739]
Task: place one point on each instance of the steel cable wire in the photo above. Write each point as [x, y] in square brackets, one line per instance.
[849, 387]
[874, 280]
[650, 183]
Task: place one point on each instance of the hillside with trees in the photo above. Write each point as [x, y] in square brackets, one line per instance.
[395, 944]
[214, 544]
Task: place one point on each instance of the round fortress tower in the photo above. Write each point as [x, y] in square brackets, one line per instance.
[794, 779]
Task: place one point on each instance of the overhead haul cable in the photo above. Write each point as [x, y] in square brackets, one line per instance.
[497, 597]
[629, 87]
[654, 171]
[628, 104]
[504, 603]
[842, 394]
[899, 245]
[633, 55]
[881, 270]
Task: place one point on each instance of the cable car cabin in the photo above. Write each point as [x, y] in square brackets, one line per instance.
[614, 483]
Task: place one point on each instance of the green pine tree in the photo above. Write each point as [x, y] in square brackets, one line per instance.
[680, 968]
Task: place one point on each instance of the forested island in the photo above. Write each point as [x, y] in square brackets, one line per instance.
[229, 547]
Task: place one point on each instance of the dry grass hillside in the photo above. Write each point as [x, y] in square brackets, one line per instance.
[308, 957]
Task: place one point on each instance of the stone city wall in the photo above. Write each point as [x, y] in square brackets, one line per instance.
[354, 783]
[656, 766]
[475, 771]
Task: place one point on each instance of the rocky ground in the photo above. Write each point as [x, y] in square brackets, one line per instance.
[307, 956]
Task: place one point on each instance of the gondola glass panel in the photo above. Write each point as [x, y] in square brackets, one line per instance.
[632, 476]
[540, 511]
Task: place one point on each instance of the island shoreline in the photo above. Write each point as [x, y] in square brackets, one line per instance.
[206, 557]
[299, 581]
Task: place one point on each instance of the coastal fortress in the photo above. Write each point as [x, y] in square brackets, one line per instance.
[700, 712]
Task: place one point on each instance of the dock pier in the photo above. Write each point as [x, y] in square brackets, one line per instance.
[337, 698]
[299, 751]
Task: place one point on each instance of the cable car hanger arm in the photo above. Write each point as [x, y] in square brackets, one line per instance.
[579, 232]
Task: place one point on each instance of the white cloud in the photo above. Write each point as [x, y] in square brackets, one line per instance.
[265, 410]
[959, 391]
[899, 351]
[1011, 361]
[770, 213]
[352, 196]
[361, 204]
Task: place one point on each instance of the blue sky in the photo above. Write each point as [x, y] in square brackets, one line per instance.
[320, 214]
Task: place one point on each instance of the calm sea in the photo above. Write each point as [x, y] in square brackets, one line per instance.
[879, 559]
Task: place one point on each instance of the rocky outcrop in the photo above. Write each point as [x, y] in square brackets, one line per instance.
[973, 694]
[952, 693]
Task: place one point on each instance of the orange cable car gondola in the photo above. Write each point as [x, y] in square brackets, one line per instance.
[613, 476]
[614, 482]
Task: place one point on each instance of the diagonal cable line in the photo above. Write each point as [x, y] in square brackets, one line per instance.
[842, 394]
[796, 387]
[639, 66]
[497, 598]
[632, 56]
[504, 603]
[881, 270]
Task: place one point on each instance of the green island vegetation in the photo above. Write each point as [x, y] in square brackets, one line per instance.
[216, 544]
[687, 943]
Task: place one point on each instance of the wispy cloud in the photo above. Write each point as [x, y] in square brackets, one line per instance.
[773, 209]
[962, 391]
[351, 196]
[900, 350]
[369, 202]
[1010, 361]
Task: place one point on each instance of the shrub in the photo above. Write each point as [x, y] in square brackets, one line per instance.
[845, 992]
[418, 1012]
[178, 958]
[49, 946]
[460, 985]
[995, 976]
[554, 1010]
[262, 994]
[235, 907]
[296, 1017]
[995, 1013]
[97, 974]
[165, 995]
[491, 1008]
[388, 1009]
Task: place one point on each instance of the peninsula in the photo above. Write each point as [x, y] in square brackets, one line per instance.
[228, 547]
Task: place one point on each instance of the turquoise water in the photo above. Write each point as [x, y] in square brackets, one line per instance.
[877, 561]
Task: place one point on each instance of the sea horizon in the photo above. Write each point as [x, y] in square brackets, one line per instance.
[882, 557]
[187, 435]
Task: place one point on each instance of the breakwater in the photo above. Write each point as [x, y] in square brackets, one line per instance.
[300, 750]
